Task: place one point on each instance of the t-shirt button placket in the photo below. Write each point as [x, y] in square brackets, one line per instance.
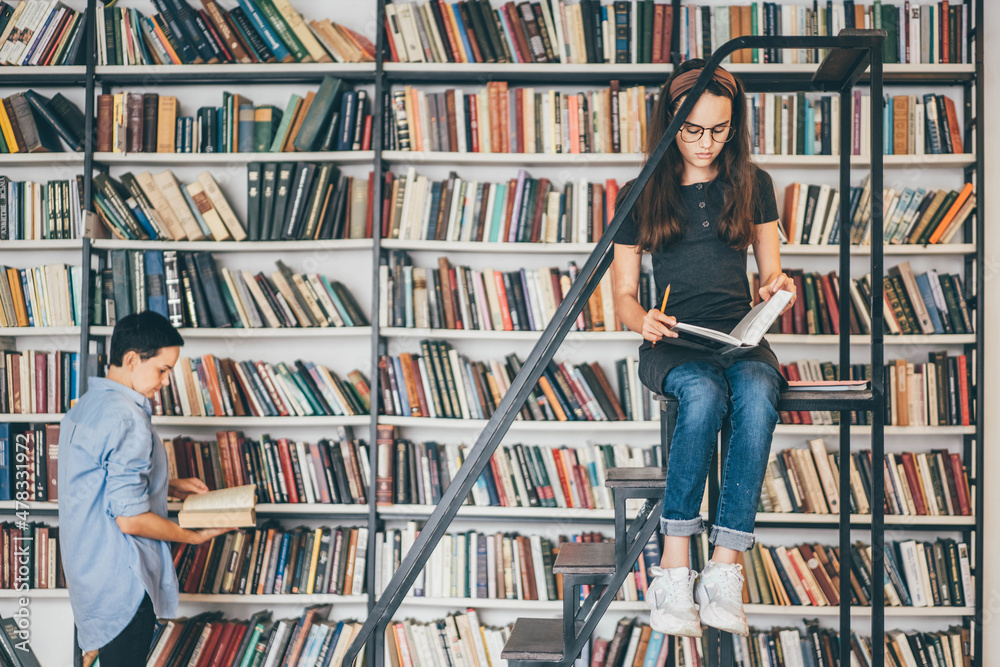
[705, 223]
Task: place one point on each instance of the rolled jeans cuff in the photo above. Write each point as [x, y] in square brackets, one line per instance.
[682, 527]
[728, 538]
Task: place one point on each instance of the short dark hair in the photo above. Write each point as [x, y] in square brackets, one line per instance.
[145, 333]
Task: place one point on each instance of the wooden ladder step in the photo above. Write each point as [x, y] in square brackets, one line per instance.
[585, 558]
[636, 478]
[535, 640]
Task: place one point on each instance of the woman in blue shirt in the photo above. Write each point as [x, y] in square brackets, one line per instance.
[113, 487]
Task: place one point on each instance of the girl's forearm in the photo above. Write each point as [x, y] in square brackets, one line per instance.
[153, 526]
[630, 312]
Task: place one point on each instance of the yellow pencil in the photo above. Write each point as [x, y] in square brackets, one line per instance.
[663, 306]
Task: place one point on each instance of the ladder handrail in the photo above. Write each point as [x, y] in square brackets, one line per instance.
[544, 350]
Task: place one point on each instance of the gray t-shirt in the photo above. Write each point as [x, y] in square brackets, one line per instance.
[707, 278]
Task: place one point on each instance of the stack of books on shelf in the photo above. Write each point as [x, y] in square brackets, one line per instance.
[29, 462]
[34, 555]
[498, 119]
[213, 387]
[33, 211]
[518, 476]
[910, 215]
[458, 639]
[310, 639]
[551, 31]
[256, 31]
[805, 480]
[284, 470]
[40, 296]
[330, 119]
[32, 123]
[38, 32]
[271, 560]
[522, 209]
[36, 382]
[464, 298]
[917, 574]
[192, 290]
[306, 200]
[159, 207]
[925, 304]
[441, 383]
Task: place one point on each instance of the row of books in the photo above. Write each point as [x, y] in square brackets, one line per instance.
[31, 556]
[498, 119]
[464, 298]
[284, 470]
[37, 382]
[310, 639]
[158, 206]
[925, 304]
[442, 383]
[519, 475]
[520, 210]
[220, 387]
[523, 209]
[40, 296]
[29, 461]
[808, 124]
[643, 31]
[255, 31]
[933, 483]
[330, 119]
[38, 32]
[939, 392]
[32, 211]
[272, 560]
[32, 123]
[192, 290]
[917, 574]
[305, 200]
[909, 215]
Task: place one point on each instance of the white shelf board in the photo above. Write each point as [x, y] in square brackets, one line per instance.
[42, 244]
[296, 509]
[340, 157]
[19, 332]
[476, 334]
[615, 69]
[793, 249]
[267, 69]
[36, 593]
[48, 159]
[303, 599]
[415, 158]
[18, 418]
[236, 246]
[264, 332]
[47, 70]
[10, 506]
[249, 422]
[831, 339]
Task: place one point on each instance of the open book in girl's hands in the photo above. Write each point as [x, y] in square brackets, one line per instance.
[744, 336]
[223, 508]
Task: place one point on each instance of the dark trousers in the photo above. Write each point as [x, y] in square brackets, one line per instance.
[130, 647]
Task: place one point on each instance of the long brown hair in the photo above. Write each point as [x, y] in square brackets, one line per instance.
[659, 206]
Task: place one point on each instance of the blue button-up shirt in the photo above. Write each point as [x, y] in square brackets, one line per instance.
[112, 464]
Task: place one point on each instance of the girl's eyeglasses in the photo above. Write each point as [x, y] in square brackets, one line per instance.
[720, 134]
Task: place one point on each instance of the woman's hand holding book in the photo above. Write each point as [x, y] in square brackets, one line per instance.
[780, 282]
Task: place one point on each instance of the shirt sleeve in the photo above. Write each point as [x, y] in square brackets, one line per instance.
[766, 209]
[128, 460]
[628, 233]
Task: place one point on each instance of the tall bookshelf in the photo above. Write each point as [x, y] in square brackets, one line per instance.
[200, 84]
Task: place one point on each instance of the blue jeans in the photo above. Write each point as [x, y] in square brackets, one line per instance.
[748, 392]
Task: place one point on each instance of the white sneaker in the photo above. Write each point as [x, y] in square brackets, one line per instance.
[719, 592]
[671, 602]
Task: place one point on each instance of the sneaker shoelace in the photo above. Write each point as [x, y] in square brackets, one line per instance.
[677, 590]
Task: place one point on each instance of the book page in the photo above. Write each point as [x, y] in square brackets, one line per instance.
[755, 324]
[696, 332]
[237, 497]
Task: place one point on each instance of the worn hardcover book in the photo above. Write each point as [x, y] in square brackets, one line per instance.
[746, 335]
